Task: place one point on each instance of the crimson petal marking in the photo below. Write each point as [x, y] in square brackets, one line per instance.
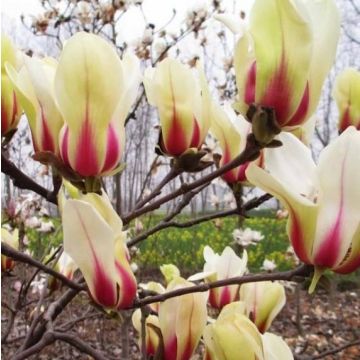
[229, 176]
[64, 148]
[250, 87]
[349, 266]
[300, 115]
[195, 141]
[47, 141]
[86, 162]
[297, 238]
[345, 120]
[128, 287]
[329, 250]
[171, 349]
[112, 150]
[104, 288]
[278, 93]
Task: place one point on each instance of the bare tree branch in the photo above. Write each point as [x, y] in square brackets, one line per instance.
[22, 181]
[303, 270]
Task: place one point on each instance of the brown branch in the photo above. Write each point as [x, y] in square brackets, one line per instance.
[22, 181]
[19, 256]
[51, 314]
[172, 174]
[303, 270]
[252, 149]
[51, 336]
[252, 204]
[331, 351]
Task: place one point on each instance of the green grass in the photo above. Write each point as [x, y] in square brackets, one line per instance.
[184, 247]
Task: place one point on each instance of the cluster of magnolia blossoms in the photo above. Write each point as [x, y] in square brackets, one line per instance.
[74, 111]
[174, 327]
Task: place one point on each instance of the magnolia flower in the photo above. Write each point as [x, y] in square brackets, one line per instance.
[11, 239]
[234, 337]
[263, 302]
[170, 272]
[151, 336]
[346, 92]
[275, 348]
[303, 36]
[99, 250]
[221, 267]
[94, 111]
[182, 101]
[268, 265]
[155, 287]
[10, 107]
[231, 131]
[34, 84]
[323, 203]
[246, 237]
[182, 320]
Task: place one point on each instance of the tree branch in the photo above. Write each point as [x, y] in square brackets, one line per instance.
[250, 152]
[252, 204]
[22, 181]
[22, 257]
[331, 351]
[303, 270]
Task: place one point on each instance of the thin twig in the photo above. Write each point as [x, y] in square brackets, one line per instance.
[253, 203]
[252, 149]
[22, 181]
[19, 256]
[303, 270]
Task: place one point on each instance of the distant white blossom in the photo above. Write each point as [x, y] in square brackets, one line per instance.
[32, 222]
[268, 265]
[46, 227]
[246, 237]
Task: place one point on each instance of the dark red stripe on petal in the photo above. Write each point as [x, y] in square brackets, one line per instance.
[345, 121]
[64, 146]
[195, 141]
[47, 142]
[241, 174]
[113, 147]
[175, 143]
[250, 86]
[225, 296]
[278, 94]
[104, 288]
[297, 238]
[214, 298]
[127, 287]
[300, 115]
[229, 176]
[14, 109]
[171, 349]
[4, 118]
[86, 162]
[349, 266]
[328, 252]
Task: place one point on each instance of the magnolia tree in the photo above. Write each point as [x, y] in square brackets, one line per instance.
[78, 108]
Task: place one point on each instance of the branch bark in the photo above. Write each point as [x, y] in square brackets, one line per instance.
[303, 270]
